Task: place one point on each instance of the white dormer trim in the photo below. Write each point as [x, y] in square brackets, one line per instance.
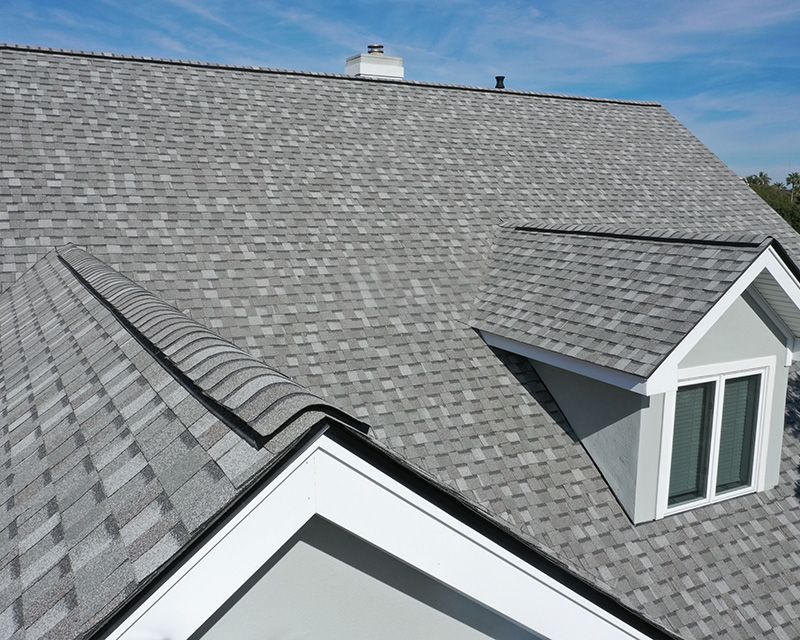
[331, 481]
[664, 378]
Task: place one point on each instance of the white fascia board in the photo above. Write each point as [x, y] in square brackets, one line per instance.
[637, 384]
[330, 480]
[202, 584]
[784, 277]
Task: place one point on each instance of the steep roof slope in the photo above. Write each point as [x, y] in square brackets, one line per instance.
[110, 466]
[338, 228]
[617, 297]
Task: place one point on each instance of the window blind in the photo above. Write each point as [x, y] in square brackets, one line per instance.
[737, 432]
[694, 408]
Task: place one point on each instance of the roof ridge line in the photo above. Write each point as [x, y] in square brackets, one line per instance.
[655, 235]
[95, 279]
[199, 64]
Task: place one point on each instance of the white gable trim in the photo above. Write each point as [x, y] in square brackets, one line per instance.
[332, 481]
[665, 377]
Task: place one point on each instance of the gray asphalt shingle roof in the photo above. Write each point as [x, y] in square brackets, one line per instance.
[338, 229]
[614, 296]
[109, 465]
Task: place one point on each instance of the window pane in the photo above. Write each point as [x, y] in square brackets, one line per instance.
[738, 430]
[694, 407]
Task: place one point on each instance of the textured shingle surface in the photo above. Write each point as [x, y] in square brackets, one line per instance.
[338, 229]
[108, 466]
[263, 397]
[616, 297]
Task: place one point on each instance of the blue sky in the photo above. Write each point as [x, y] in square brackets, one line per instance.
[728, 69]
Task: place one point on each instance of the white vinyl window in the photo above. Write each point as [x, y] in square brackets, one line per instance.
[714, 431]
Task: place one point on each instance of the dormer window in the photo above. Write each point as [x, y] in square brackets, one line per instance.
[717, 432]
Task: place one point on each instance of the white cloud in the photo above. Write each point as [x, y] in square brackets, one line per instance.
[167, 43]
[202, 11]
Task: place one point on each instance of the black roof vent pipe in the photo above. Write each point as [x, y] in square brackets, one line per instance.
[499, 82]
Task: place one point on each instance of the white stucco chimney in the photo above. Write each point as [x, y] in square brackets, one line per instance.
[374, 64]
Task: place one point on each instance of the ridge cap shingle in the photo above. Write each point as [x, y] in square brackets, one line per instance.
[251, 388]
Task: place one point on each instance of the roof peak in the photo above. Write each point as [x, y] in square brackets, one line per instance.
[100, 55]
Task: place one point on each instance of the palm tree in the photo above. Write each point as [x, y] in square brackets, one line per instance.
[760, 180]
[793, 181]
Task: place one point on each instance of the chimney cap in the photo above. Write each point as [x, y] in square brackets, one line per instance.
[499, 82]
[374, 64]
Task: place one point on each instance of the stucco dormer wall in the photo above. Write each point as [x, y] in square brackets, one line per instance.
[620, 430]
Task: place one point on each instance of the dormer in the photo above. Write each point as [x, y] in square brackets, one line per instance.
[667, 351]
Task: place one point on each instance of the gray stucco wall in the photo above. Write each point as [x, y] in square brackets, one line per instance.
[607, 420]
[744, 332]
[326, 583]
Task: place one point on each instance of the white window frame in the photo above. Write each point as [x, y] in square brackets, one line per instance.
[717, 373]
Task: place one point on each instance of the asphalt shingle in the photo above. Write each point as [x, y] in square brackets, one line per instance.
[104, 480]
[263, 396]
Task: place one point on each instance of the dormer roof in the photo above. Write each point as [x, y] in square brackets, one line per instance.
[618, 302]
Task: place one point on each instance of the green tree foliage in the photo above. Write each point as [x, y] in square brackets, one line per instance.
[783, 197]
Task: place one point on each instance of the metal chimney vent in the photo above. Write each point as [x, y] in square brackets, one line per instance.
[375, 49]
[499, 82]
